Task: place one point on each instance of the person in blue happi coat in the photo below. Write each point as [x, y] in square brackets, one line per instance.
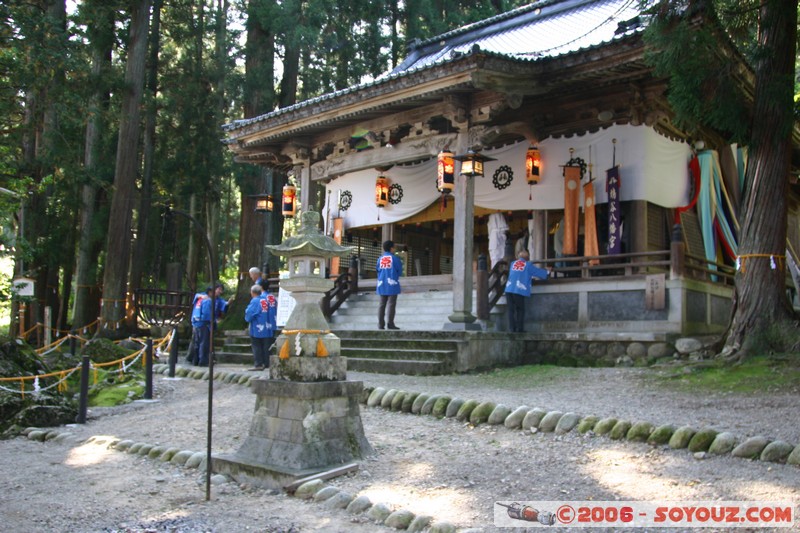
[201, 327]
[261, 314]
[389, 268]
[518, 289]
[220, 303]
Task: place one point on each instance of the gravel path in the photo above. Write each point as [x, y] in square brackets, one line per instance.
[442, 468]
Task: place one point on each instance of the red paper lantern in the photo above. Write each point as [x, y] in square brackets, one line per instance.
[381, 191]
[446, 168]
[533, 165]
[289, 201]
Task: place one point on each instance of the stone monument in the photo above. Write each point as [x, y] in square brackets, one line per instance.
[307, 418]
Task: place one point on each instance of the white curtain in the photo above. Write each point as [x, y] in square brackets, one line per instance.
[653, 168]
[497, 237]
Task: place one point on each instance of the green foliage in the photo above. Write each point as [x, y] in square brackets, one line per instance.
[18, 359]
[102, 350]
[703, 90]
[755, 375]
[525, 376]
[116, 389]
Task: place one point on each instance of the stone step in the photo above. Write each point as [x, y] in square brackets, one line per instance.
[400, 344]
[239, 358]
[237, 348]
[409, 354]
[397, 366]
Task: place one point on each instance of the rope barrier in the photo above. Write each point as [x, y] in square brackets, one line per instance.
[65, 374]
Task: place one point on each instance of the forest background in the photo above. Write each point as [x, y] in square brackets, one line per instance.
[112, 109]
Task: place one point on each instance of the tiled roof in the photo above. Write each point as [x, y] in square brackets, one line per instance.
[540, 30]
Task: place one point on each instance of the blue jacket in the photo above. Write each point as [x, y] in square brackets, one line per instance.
[221, 307]
[261, 314]
[520, 275]
[201, 309]
[389, 268]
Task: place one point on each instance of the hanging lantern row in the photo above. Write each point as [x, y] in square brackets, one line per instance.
[289, 201]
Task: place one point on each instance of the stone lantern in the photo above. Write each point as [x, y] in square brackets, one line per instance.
[307, 418]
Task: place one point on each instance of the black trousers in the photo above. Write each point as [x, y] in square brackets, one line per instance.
[516, 312]
[387, 308]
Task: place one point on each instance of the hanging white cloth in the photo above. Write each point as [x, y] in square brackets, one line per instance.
[498, 227]
[531, 240]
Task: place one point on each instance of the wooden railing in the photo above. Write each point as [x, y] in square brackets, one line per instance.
[343, 286]
[497, 282]
[697, 267]
[608, 265]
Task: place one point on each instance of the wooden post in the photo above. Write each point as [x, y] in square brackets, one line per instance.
[148, 369]
[173, 352]
[83, 398]
[353, 271]
[677, 254]
[48, 332]
[482, 289]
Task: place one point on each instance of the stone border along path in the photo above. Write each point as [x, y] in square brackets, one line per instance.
[700, 442]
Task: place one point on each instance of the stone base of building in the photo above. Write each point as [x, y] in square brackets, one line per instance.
[298, 429]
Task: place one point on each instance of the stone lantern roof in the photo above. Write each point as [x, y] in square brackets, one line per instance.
[309, 241]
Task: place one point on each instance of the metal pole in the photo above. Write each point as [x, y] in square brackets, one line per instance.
[212, 265]
[83, 401]
[173, 353]
[148, 369]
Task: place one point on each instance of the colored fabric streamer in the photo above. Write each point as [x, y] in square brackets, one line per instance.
[590, 245]
[613, 183]
[715, 209]
[572, 180]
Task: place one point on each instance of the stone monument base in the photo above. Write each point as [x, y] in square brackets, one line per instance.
[298, 429]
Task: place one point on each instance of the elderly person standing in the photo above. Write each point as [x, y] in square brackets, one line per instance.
[257, 277]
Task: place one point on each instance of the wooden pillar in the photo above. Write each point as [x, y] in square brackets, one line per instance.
[463, 229]
[539, 235]
[302, 174]
[387, 232]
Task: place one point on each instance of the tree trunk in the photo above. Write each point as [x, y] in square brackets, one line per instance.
[118, 245]
[87, 295]
[140, 255]
[259, 98]
[761, 299]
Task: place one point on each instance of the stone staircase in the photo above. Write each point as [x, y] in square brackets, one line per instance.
[416, 311]
[402, 352]
[233, 347]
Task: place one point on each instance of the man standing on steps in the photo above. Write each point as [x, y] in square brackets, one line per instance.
[390, 268]
[260, 314]
[518, 289]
